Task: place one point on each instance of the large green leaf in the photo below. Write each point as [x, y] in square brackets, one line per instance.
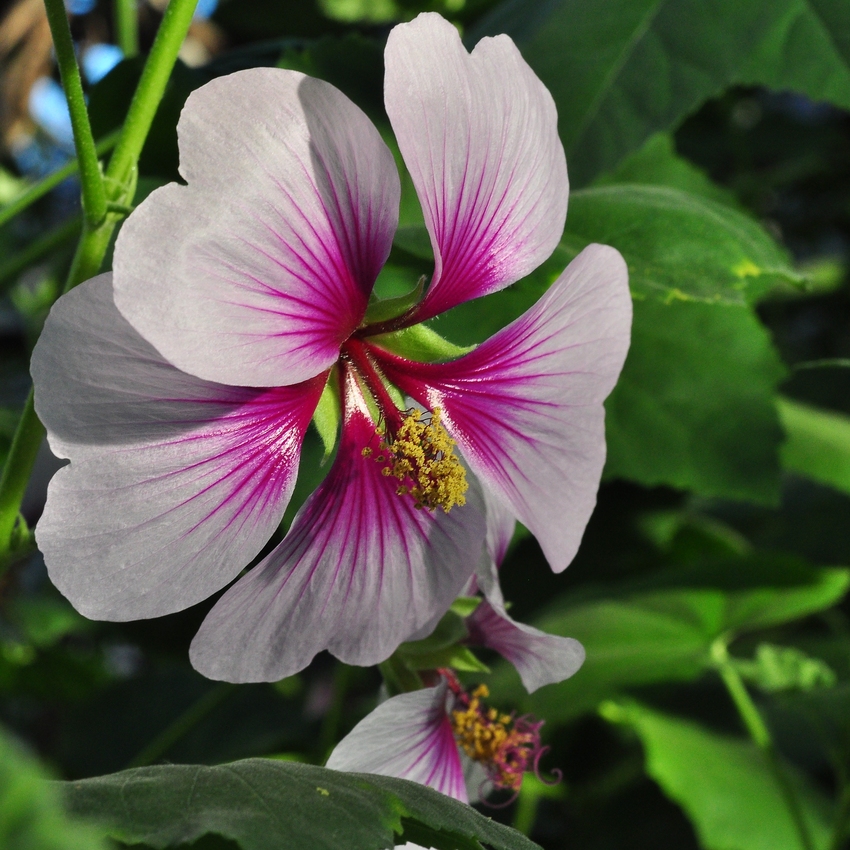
[265, 805]
[680, 245]
[818, 444]
[694, 407]
[664, 631]
[658, 164]
[620, 70]
[31, 815]
[725, 784]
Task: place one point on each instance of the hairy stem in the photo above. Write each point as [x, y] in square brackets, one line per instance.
[93, 189]
[127, 26]
[760, 735]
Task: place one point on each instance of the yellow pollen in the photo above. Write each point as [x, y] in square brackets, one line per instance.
[422, 456]
[504, 746]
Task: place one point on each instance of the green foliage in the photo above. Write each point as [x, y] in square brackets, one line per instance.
[31, 814]
[265, 804]
[694, 407]
[725, 784]
[781, 668]
[663, 629]
[620, 70]
[818, 444]
[680, 246]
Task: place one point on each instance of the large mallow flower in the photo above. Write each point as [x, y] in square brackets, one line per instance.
[180, 387]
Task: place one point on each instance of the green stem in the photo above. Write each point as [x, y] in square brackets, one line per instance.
[127, 27]
[16, 475]
[93, 190]
[37, 249]
[760, 735]
[47, 184]
[95, 239]
[190, 718]
[149, 92]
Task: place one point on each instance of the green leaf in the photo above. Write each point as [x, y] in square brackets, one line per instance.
[680, 246]
[724, 784]
[658, 164]
[663, 631]
[31, 814]
[782, 668]
[818, 444]
[694, 407]
[620, 70]
[265, 804]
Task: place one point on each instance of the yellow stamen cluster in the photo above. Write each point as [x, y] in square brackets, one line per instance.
[421, 457]
[480, 732]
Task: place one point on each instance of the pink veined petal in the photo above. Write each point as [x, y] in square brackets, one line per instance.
[259, 269]
[174, 484]
[540, 658]
[360, 570]
[479, 136]
[410, 737]
[526, 405]
[501, 524]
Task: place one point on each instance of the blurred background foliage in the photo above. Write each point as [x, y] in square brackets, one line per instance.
[710, 143]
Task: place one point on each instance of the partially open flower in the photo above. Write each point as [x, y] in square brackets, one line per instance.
[181, 386]
[446, 738]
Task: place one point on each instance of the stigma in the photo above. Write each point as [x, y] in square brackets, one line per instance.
[420, 456]
[505, 746]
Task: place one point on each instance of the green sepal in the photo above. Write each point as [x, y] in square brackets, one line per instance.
[327, 415]
[448, 632]
[457, 657]
[463, 606]
[391, 308]
[422, 343]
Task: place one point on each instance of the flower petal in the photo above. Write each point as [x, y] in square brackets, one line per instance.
[540, 658]
[410, 737]
[526, 405]
[501, 524]
[360, 570]
[174, 484]
[479, 136]
[255, 272]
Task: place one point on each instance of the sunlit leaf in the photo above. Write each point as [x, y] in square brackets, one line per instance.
[725, 784]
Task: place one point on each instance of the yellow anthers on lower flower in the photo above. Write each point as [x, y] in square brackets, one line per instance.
[421, 455]
[505, 746]
[479, 734]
